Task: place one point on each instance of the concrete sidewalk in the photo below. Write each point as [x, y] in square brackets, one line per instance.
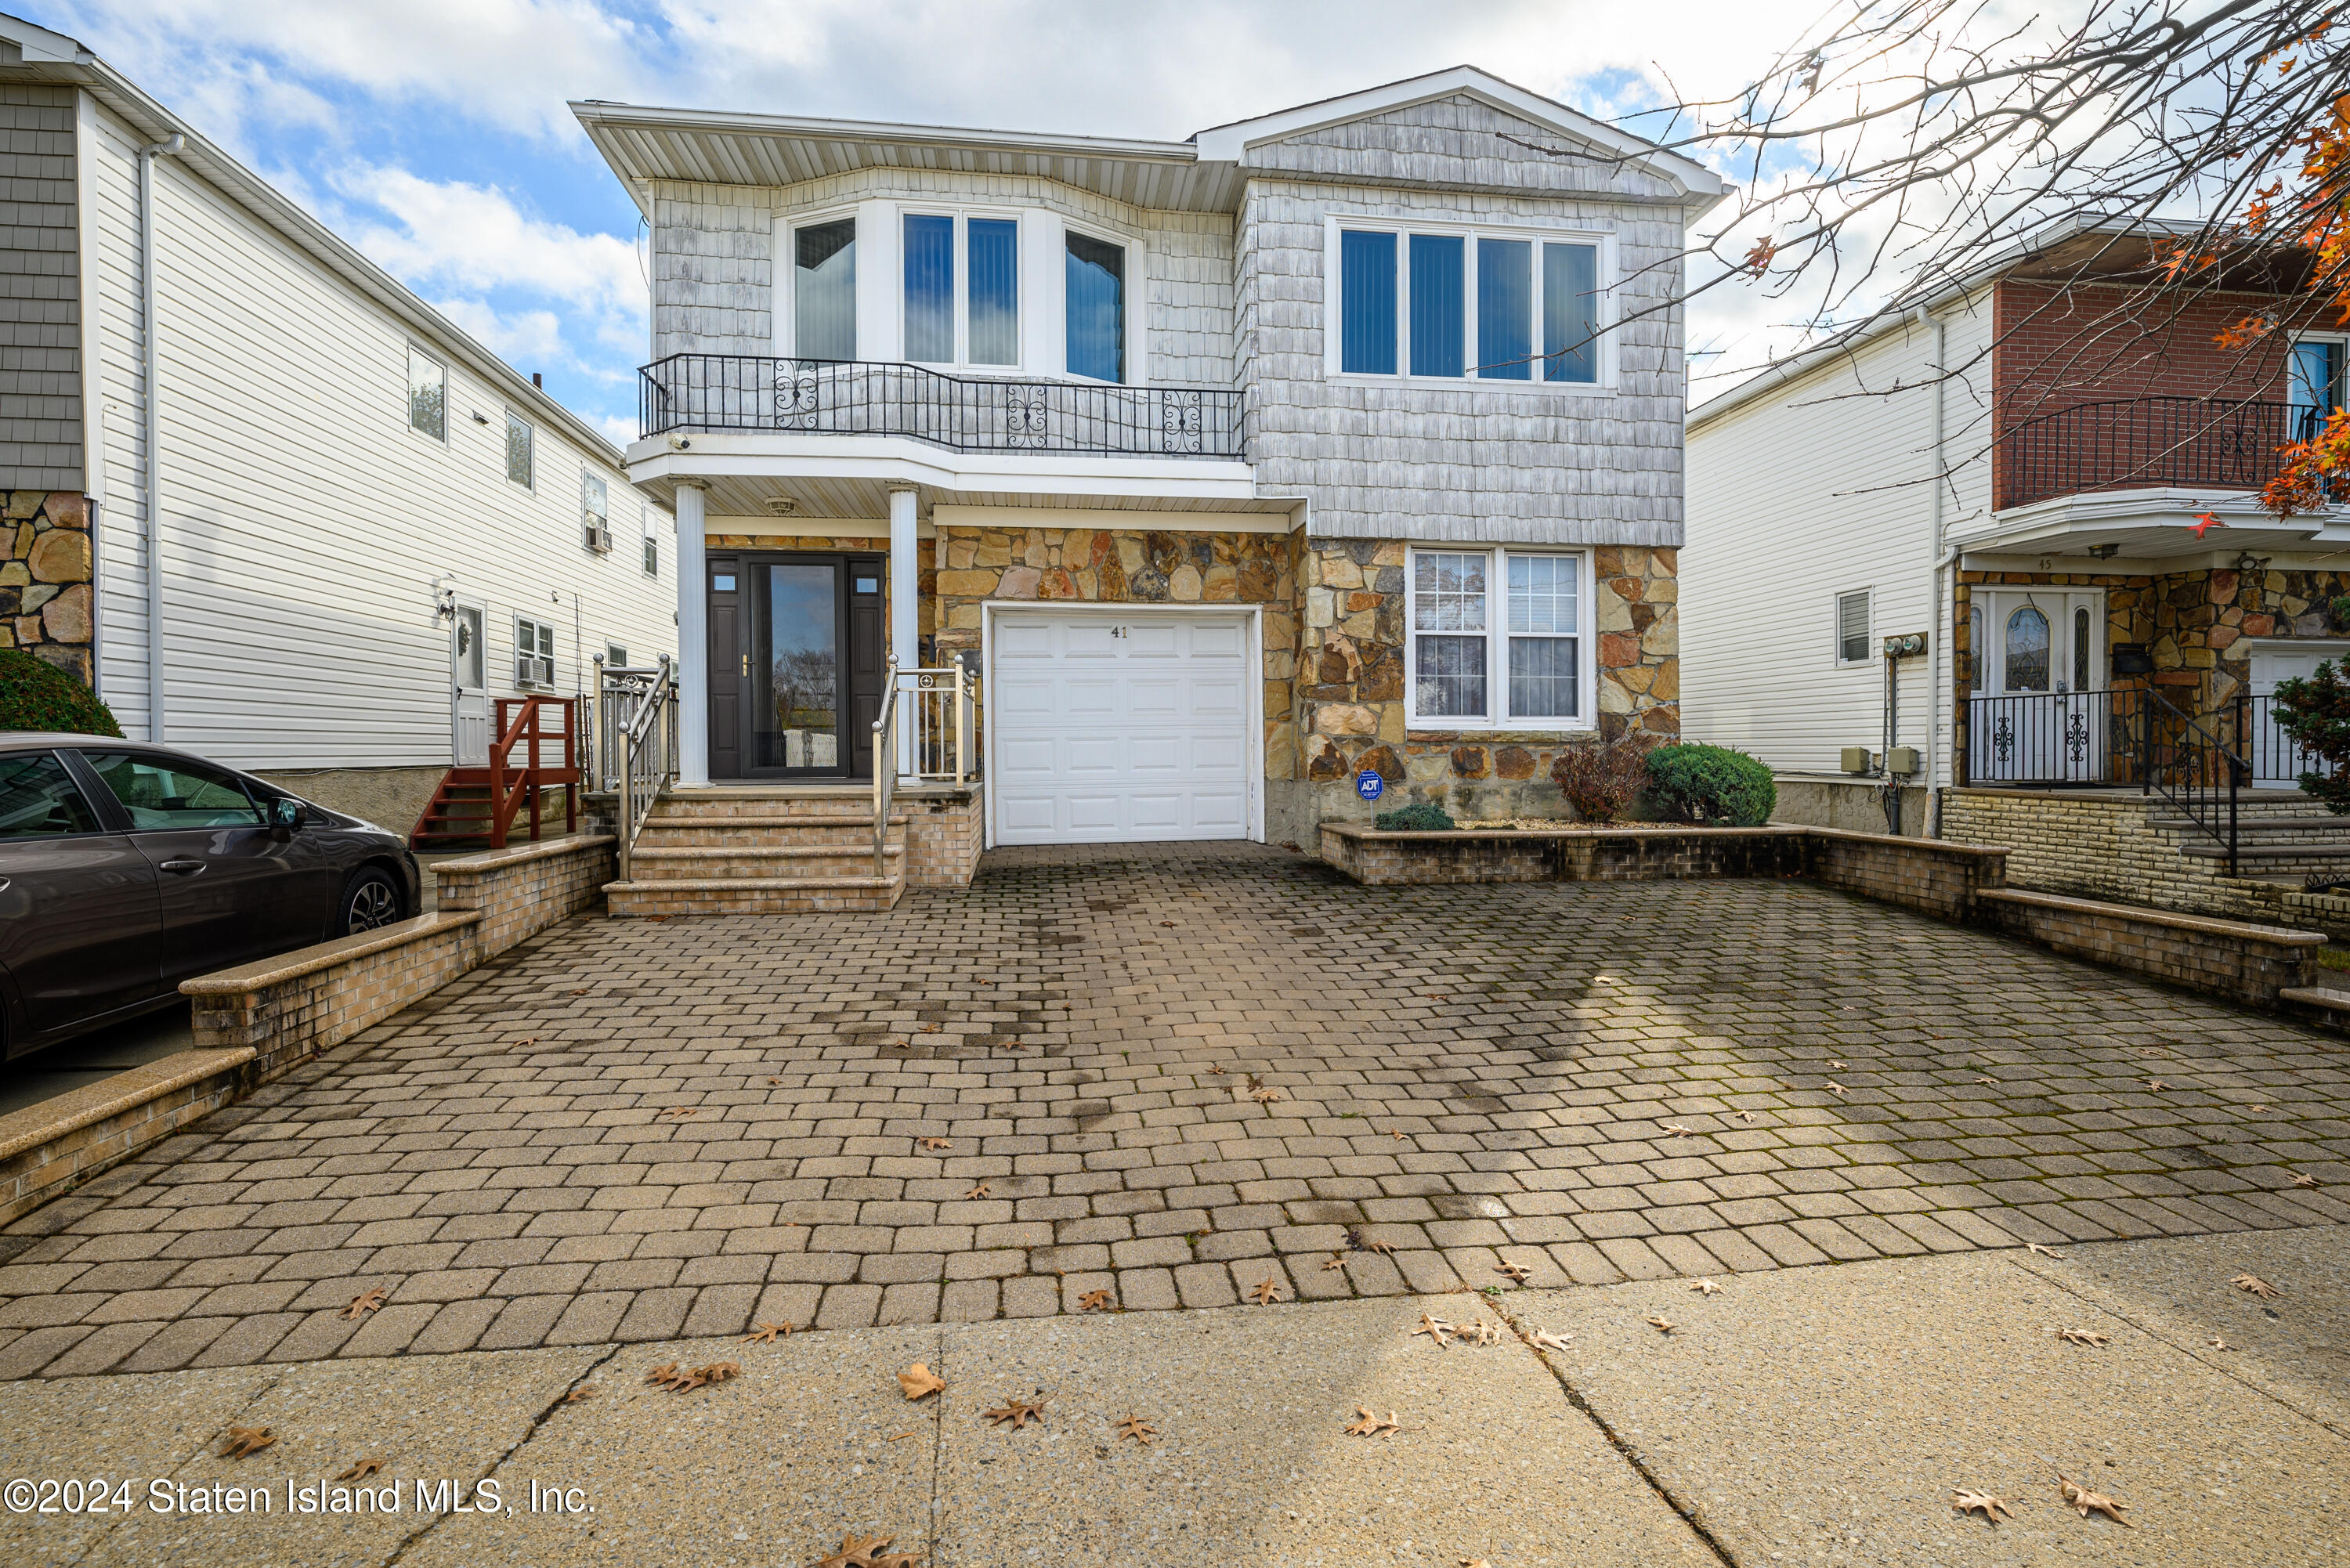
[1816, 1416]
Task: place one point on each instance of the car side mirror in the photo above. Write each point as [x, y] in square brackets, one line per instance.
[285, 814]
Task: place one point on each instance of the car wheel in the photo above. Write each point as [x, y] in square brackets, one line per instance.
[369, 902]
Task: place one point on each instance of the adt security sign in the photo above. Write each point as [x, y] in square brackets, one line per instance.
[1370, 785]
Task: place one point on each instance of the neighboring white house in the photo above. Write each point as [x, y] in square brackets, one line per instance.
[369, 526]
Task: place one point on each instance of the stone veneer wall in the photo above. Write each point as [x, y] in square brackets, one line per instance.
[2193, 624]
[45, 578]
[1351, 686]
[1119, 565]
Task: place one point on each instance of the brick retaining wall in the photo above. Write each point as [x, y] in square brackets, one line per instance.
[48, 1150]
[945, 828]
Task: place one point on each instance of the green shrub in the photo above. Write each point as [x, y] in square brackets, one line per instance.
[37, 695]
[1420, 817]
[1710, 783]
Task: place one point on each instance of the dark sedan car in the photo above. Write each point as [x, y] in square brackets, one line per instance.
[125, 868]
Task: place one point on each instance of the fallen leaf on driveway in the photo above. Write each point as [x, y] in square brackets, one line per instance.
[1338, 1260]
[1543, 1339]
[1837, 1066]
[935, 1142]
[1168, 924]
[1095, 1300]
[1369, 1425]
[2082, 1336]
[1982, 1502]
[2044, 1252]
[773, 1082]
[1382, 1248]
[360, 1470]
[2083, 1499]
[1018, 1413]
[680, 1112]
[1473, 1562]
[855, 1551]
[1746, 1115]
[1218, 1069]
[1135, 1426]
[365, 1304]
[1839, 1088]
[920, 1382]
[1479, 1332]
[978, 1192]
[767, 1333]
[1396, 1133]
[1705, 1287]
[1435, 1329]
[1265, 1096]
[931, 1028]
[1516, 1272]
[243, 1440]
[2253, 1285]
[1659, 1324]
[1675, 1129]
[1266, 1293]
[2300, 1180]
[2155, 1083]
[1255, 1081]
[585, 1391]
[1992, 1082]
[2215, 1343]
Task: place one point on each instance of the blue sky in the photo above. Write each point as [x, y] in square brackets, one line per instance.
[434, 133]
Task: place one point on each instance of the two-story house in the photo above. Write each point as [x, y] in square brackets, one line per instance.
[2066, 642]
[275, 507]
[1341, 441]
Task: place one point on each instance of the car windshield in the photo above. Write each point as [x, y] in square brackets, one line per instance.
[174, 793]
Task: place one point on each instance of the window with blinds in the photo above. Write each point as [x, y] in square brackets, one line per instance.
[1852, 627]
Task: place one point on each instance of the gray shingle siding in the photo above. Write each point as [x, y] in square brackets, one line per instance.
[713, 271]
[40, 292]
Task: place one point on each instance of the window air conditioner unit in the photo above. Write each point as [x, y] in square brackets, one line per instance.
[597, 536]
[531, 669]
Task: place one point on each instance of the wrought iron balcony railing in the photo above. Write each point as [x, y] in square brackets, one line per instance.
[962, 413]
[2202, 441]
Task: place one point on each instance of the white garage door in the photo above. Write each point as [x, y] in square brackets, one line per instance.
[1113, 729]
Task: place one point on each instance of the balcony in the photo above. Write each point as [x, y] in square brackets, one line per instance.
[2138, 442]
[709, 393]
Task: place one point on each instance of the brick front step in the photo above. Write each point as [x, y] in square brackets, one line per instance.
[709, 862]
[703, 832]
[752, 896]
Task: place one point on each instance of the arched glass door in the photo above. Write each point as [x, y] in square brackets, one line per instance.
[2041, 711]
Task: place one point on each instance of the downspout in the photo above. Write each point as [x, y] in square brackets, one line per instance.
[1938, 743]
[151, 428]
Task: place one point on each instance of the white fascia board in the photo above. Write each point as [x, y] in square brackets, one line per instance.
[39, 46]
[2152, 517]
[895, 459]
[876, 132]
[1228, 143]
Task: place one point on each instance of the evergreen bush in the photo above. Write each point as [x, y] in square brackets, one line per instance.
[36, 695]
[1694, 783]
[1418, 817]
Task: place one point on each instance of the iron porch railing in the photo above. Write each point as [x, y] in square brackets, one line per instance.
[2199, 441]
[962, 413]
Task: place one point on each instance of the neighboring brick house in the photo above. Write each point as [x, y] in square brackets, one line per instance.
[1364, 418]
[2105, 607]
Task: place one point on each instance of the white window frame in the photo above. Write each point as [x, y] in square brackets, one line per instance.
[1497, 638]
[961, 215]
[787, 277]
[595, 525]
[505, 451]
[2340, 345]
[615, 656]
[1603, 346]
[1137, 356]
[1835, 627]
[534, 643]
[407, 394]
[649, 557]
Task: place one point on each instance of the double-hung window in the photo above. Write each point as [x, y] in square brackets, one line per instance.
[1497, 638]
[962, 290]
[1467, 305]
[534, 652]
[594, 511]
[1852, 623]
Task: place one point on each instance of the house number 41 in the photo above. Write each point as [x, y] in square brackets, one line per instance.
[1118, 632]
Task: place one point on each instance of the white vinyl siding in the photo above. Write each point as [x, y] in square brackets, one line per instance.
[1814, 488]
[309, 531]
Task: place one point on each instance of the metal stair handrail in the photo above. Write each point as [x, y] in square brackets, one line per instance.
[643, 759]
[2187, 782]
[885, 768]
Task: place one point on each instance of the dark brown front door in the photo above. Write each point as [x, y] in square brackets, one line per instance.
[795, 664]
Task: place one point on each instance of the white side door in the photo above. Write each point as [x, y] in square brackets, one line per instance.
[2278, 762]
[1121, 726]
[469, 706]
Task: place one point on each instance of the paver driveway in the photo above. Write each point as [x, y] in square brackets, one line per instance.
[1002, 1101]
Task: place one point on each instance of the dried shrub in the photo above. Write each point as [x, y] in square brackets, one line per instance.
[1600, 781]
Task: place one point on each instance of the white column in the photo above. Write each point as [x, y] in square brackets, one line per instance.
[905, 620]
[693, 636]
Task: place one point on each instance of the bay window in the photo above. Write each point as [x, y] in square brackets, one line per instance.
[1465, 305]
[962, 290]
[1496, 639]
[824, 290]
